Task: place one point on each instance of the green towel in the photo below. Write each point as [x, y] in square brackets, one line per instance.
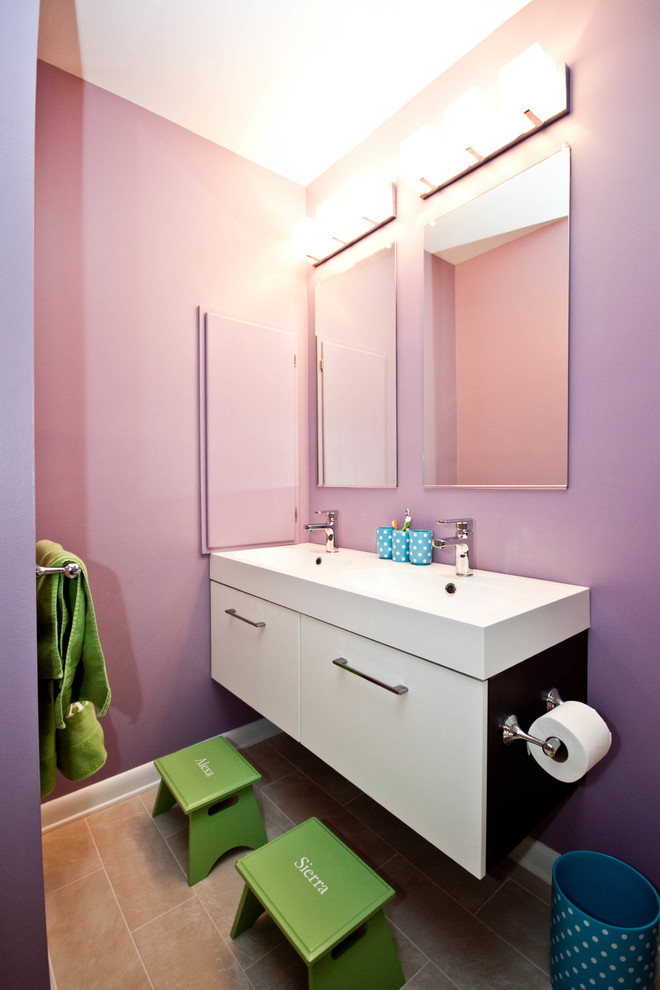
[80, 748]
[70, 665]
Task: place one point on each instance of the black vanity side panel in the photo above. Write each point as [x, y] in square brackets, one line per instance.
[520, 795]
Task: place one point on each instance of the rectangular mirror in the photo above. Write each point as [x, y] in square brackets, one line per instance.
[355, 328]
[496, 274]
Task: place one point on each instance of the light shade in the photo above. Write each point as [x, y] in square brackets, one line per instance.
[420, 159]
[341, 221]
[533, 93]
[532, 82]
[472, 125]
[311, 242]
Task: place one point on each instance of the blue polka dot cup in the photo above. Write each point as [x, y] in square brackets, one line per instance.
[384, 541]
[400, 545]
[421, 548]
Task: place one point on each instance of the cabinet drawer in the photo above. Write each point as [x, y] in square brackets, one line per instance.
[255, 654]
[420, 753]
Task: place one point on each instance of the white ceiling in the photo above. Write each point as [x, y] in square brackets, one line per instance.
[290, 84]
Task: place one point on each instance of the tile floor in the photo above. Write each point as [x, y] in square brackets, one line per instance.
[120, 912]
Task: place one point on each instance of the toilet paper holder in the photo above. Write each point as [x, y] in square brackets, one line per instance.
[552, 746]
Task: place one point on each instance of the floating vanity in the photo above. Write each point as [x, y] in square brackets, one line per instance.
[400, 677]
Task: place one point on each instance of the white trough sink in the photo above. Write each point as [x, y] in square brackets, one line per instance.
[479, 625]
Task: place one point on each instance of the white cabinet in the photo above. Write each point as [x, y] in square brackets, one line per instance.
[430, 752]
[254, 653]
[420, 753]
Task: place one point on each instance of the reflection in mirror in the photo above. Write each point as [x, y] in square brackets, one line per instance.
[496, 336]
[355, 327]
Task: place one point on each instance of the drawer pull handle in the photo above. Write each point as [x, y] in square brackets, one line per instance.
[394, 688]
[234, 613]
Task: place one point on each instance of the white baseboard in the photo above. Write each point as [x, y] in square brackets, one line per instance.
[535, 857]
[104, 793]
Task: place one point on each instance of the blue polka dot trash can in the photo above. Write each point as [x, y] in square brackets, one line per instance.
[605, 922]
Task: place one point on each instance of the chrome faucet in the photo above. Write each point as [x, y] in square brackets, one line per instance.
[329, 526]
[463, 543]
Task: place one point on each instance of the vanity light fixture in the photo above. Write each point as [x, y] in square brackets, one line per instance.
[366, 206]
[533, 93]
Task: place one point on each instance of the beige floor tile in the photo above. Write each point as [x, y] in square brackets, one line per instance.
[463, 948]
[183, 949]
[89, 943]
[303, 799]
[522, 919]
[220, 893]
[145, 875]
[69, 853]
[167, 822]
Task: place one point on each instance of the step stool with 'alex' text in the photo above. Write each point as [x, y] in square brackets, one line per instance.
[212, 784]
[328, 904]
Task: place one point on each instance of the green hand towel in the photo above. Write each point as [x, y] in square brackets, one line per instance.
[68, 643]
[80, 748]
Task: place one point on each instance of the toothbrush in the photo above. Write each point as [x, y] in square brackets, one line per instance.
[395, 524]
[408, 520]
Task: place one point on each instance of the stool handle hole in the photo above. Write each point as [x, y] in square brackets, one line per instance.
[221, 805]
[349, 941]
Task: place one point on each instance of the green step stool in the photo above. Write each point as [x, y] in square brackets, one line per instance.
[212, 784]
[329, 905]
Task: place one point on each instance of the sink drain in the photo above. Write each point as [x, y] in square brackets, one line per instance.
[450, 588]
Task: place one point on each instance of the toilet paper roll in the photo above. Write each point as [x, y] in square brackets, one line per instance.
[582, 731]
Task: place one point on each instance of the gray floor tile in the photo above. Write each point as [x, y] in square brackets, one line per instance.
[522, 920]
[270, 763]
[463, 948]
[430, 978]
[303, 799]
[470, 892]
[320, 773]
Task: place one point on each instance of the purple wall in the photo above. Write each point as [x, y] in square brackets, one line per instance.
[138, 221]
[605, 530]
[23, 958]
